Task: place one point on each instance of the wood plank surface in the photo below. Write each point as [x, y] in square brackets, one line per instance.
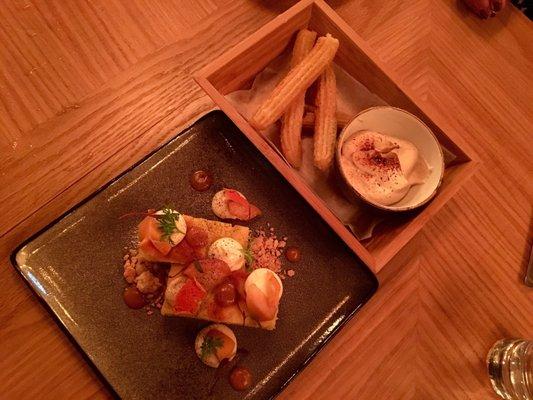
[89, 87]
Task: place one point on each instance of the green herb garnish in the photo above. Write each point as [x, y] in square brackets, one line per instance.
[209, 346]
[167, 223]
[248, 258]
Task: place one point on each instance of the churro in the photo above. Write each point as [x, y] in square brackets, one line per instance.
[296, 82]
[308, 121]
[291, 122]
[325, 120]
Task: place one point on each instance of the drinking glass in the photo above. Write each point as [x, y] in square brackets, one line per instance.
[510, 367]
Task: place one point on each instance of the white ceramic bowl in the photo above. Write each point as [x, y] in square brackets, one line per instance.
[403, 125]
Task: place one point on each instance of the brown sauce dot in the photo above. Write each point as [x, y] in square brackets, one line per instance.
[293, 254]
[201, 180]
[133, 298]
[225, 294]
[240, 378]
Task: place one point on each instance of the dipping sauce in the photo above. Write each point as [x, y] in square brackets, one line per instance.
[382, 168]
[133, 298]
[240, 378]
[201, 180]
[293, 254]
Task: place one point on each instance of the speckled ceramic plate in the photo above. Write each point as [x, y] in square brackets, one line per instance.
[75, 267]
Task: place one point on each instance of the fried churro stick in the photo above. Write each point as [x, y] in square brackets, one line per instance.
[296, 82]
[325, 120]
[291, 122]
[308, 121]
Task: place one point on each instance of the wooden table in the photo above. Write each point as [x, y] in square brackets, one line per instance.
[89, 87]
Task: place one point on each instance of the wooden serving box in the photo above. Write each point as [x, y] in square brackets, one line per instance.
[237, 67]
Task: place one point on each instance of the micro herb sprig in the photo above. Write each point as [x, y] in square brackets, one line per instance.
[167, 223]
[210, 346]
[248, 258]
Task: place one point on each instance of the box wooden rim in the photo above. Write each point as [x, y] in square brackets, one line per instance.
[415, 224]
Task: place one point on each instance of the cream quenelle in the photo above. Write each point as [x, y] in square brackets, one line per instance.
[382, 168]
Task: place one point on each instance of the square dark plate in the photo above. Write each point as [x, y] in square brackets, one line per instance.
[75, 267]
